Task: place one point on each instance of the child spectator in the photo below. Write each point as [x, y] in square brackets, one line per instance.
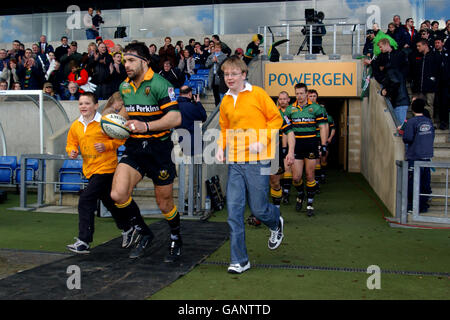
[99, 154]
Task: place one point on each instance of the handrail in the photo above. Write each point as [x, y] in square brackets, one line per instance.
[358, 28]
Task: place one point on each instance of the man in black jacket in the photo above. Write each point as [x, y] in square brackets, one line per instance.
[394, 65]
[171, 74]
[192, 113]
[441, 100]
[62, 49]
[425, 73]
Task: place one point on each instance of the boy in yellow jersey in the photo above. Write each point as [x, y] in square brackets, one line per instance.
[249, 122]
[99, 154]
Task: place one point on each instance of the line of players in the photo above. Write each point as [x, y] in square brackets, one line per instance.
[307, 131]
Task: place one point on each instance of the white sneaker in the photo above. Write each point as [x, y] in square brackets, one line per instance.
[276, 237]
[79, 247]
[238, 268]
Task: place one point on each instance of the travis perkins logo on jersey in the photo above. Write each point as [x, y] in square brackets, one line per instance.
[139, 108]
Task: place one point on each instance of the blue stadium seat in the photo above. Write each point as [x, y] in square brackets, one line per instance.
[8, 165]
[71, 171]
[32, 166]
[120, 150]
[197, 86]
[203, 71]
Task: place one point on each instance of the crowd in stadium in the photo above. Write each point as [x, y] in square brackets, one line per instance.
[407, 62]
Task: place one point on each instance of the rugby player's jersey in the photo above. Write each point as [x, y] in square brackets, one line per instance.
[331, 122]
[305, 120]
[287, 126]
[154, 98]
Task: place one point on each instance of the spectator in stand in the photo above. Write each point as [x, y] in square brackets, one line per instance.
[392, 32]
[211, 48]
[397, 21]
[72, 92]
[51, 58]
[48, 89]
[27, 55]
[253, 48]
[419, 137]
[44, 47]
[200, 56]
[91, 30]
[179, 47]
[446, 31]
[16, 52]
[97, 20]
[62, 49]
[205, 45]
[98, 40]
[214, 63]
[441, 99]
[16, 86]
[225, 48]
[171, 74]
[4, 59]
[118, 72]
[410, 36]
[71, 55]
[398, 32]
[368, 45]
[40, 58]
[425, 34]
[154, 58]
[190, 46]
[435, 32]
[57, 79]
[78, 75]
[425, 73]
[9, 74]
[100, 65]
[186, 64]
[30, 75]
[239, 52]
[3, 85]
[167, 52]
[394, 66]
[192, 111]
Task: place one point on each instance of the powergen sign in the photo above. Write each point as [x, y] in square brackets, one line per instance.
[330, 79]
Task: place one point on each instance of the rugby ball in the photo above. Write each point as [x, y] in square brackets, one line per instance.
[113, 125]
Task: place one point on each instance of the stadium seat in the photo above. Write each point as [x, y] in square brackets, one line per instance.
[8, 165]
[121, 150]
[71, 171]
[203, 72]
[32, 167]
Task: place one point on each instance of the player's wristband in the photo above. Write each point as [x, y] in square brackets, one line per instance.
[323, 148]
[284, 151]
[148, 128]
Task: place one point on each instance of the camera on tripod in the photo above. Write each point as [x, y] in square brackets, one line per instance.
[313, 17]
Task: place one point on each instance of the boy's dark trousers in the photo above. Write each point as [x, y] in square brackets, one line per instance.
[99, 187]
[425, 188]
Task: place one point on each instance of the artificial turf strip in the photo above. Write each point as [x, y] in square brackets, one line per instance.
[348, 232]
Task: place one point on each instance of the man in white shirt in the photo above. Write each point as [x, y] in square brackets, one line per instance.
[91, 30]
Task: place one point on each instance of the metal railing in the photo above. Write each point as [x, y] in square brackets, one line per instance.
[356, 30]
[404, 175]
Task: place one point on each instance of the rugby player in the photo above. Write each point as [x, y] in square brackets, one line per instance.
[152, 108]
[305, 117]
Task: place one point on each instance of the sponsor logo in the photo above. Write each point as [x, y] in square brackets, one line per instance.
[163, 175]
[424, 127]
[126, 91]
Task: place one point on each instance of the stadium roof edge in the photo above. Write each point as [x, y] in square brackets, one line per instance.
[44, 6]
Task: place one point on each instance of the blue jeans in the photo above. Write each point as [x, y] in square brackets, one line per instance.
[90, 34]
[400, 113]
[245, 181]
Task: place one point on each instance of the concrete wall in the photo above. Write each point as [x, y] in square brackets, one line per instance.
[380, 148]
[354, 135]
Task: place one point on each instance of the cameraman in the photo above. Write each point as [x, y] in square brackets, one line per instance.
[192, 112]
[318, 32]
